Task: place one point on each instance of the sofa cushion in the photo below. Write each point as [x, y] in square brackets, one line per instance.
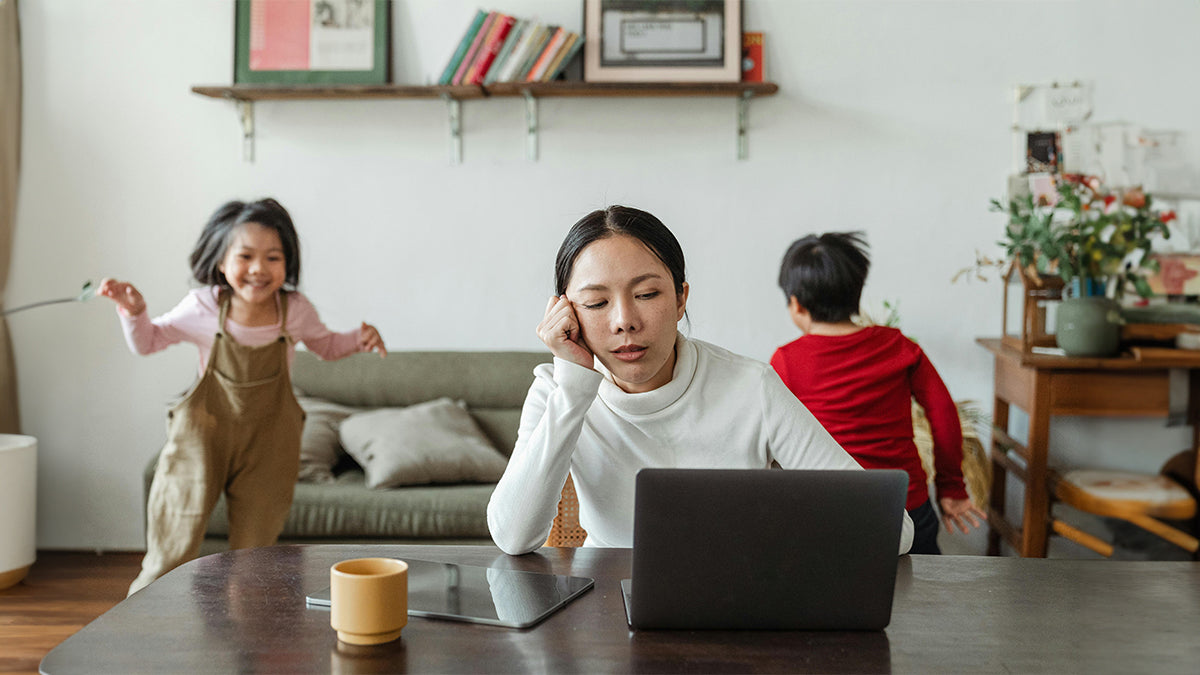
[320, 446]
[432, 442]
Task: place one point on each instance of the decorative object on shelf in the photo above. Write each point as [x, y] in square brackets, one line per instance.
[1092, 242]
[752, 57]
[662, 40]
[1094, 234]
[312, 42]
[1088, 326]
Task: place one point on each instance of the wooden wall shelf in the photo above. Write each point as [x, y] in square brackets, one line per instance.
[246, 95]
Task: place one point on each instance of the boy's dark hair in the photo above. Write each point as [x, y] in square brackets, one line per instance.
[214, 240]
[826, 273]
[612, 221]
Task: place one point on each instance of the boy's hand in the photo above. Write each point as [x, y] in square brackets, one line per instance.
[559, 329]
[128, 299]
[959, 512]
[369, 340]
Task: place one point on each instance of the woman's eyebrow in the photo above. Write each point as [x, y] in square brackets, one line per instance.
[632, 282]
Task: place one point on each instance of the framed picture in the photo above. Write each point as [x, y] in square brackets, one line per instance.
[1043, 152]
[662, 40]
[312, 42]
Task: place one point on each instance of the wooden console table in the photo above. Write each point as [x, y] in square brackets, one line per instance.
[1135, 384]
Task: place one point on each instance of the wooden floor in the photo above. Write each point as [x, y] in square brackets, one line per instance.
[63, 593]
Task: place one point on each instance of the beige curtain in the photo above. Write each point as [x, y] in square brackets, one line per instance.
[10, 164]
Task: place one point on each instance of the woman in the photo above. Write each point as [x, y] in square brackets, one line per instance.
[627, 390]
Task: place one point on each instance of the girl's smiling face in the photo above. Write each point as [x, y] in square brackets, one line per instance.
[628, 311]
[254, 265]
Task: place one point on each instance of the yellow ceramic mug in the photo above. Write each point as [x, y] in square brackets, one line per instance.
[368, 600]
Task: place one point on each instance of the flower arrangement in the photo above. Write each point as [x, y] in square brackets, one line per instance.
[1086, 232]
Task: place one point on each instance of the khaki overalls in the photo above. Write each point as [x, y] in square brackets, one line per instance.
[238, 432]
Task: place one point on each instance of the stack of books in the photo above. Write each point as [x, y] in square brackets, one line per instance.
[497, 47]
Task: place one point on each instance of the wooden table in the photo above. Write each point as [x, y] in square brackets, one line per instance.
[244, 611]
[1137, 384]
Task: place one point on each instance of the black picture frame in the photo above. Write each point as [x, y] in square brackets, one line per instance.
[326, 18]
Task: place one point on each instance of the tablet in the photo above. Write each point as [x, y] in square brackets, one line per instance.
[490, 595]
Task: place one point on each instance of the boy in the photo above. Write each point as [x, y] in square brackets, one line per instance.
[859, 381]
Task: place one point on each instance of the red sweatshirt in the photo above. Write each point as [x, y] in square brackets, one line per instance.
[860, 387]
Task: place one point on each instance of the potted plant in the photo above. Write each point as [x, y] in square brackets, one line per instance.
[1098, 241]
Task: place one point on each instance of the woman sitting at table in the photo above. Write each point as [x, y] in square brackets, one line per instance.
[626, 390]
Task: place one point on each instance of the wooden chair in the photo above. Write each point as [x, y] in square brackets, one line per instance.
[1141, 499]
[566, 531]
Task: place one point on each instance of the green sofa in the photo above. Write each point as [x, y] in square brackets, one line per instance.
[492, 384]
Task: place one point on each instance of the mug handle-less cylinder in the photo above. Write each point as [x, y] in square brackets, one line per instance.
[368, 600]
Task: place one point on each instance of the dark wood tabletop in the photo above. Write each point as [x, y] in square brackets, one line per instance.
[244, 611]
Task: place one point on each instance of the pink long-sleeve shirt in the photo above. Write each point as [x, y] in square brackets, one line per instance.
[194, 320]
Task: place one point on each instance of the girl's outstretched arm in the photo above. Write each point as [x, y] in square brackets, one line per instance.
[125, 294]
[369, 340]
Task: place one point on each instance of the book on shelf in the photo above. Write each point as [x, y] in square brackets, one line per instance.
[569, 49]
[506, 50]
[523, 61]
[463, 45]
[488, 50]
[543, 60]
[473, 50]
[752, 57]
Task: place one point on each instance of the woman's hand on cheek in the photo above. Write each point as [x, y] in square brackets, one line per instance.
[559, 329]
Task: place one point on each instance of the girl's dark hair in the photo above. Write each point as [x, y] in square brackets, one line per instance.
[826, 273]
[612, 221]
[214, 240]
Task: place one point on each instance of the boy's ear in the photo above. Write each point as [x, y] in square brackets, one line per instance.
[799, 314]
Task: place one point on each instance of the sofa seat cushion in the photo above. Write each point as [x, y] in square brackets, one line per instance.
[346, 508]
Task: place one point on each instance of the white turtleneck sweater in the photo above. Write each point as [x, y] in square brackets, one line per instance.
[719, 410]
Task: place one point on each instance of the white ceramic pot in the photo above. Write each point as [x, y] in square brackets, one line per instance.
[18, 507]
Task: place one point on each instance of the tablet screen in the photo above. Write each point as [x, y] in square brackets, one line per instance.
[500, 597]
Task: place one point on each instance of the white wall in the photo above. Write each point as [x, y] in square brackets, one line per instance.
[892, 117]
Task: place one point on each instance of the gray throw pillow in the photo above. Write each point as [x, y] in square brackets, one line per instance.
[320, 447]
[432, 442]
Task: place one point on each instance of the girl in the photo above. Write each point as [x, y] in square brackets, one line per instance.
[627, 390]
[238, 430]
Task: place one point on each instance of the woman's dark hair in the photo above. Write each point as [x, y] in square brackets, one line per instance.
[214, 240]
[612, 221]
[826, 273]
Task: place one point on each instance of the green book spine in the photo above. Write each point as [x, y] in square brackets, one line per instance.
[463, 45]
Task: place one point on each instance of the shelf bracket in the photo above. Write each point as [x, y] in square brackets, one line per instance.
[454, 110]
[743, 120]
[531, 127]
[246, 115]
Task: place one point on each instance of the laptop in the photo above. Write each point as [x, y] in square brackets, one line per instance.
[736, 549]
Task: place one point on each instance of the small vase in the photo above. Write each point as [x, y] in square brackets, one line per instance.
[1089, 326]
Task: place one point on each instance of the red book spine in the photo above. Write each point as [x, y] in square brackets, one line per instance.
[470, 57]
[489, 50]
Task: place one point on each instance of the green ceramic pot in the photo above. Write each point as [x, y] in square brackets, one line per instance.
[1089, 326]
